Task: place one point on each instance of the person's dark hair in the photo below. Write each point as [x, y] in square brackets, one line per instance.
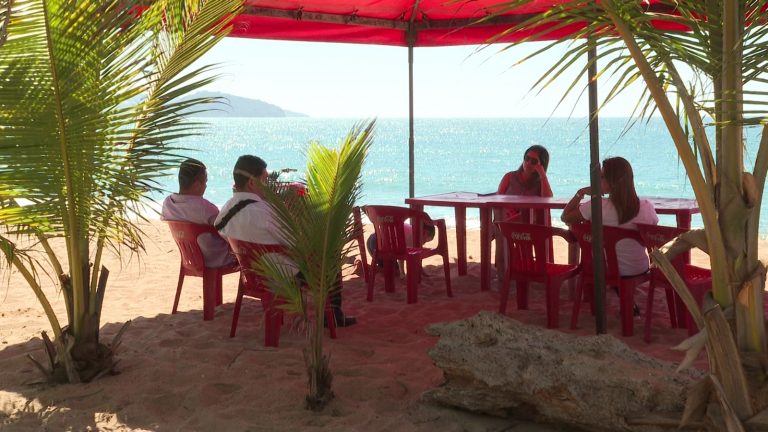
[190, 171]
[429, 229]
[621, 187]
[542, 152]
[250, 164]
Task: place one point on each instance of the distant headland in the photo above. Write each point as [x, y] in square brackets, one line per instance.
[236, 106]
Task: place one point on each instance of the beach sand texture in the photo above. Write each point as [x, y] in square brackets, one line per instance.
[179, 373]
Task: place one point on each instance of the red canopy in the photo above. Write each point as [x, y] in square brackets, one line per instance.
[386, 22]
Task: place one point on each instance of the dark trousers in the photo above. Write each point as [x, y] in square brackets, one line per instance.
[334, 297]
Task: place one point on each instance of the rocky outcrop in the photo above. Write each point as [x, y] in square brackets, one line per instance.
[496, 365]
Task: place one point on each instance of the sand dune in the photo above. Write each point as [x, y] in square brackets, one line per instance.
[179, 373]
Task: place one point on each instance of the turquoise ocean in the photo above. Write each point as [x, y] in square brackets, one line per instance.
[462, 154]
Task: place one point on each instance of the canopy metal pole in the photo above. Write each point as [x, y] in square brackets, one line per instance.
[595, 183]
[411, 155]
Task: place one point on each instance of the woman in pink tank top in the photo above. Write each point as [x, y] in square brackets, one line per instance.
[529, 179]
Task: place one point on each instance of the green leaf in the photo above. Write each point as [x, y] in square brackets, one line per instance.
[89, 117]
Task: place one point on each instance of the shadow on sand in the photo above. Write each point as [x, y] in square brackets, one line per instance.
[180, 373]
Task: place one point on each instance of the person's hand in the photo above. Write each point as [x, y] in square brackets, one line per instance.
[540, 170]
[584, 191]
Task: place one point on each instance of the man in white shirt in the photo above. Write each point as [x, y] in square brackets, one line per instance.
[246, 216]
[188, 205]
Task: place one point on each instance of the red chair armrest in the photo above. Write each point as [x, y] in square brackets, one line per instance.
[567, 235]
[442, 232]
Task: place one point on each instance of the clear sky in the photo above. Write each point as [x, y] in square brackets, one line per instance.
[361, 81]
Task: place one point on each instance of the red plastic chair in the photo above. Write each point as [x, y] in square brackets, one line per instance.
[536, 217]
[359, 237]
[529, 261]
[388, 222]
[192, 264]
[625, 285]
[283, 188]
[253, 285]
[698, 279]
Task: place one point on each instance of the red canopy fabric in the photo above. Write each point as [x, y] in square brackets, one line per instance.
[386, 22]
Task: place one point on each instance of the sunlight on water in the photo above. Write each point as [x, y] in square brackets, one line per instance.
[451, 155]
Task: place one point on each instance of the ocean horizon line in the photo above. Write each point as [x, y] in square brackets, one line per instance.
[363, 118]
[450, 154]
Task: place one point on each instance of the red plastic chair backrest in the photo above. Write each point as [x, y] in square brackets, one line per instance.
[655, 236]
[359, 236]
[583, 234]
[247, 254]
[389, 224]
[527, 245]
[611, 236]
[185, 235]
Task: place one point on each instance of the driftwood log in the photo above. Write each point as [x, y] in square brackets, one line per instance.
[496, 365]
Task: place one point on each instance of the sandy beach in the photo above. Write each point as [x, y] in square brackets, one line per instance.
[179, 373]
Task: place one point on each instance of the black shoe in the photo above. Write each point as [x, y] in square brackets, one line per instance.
[342, 322]
[346, 322]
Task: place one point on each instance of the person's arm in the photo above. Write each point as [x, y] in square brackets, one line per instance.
[273, 228]
[504, 184]
[546, 189]
[649, 211]
[571, 213]
[210, 211]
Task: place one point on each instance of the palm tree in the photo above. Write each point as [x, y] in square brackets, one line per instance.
[723, 43]
[318, 230]
[88, 116]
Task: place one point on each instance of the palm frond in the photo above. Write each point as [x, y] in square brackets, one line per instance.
[668, 31]
[316, 230]
[88, 118]
[317, 227]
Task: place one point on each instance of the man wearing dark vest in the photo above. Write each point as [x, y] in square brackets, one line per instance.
[246, 216]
